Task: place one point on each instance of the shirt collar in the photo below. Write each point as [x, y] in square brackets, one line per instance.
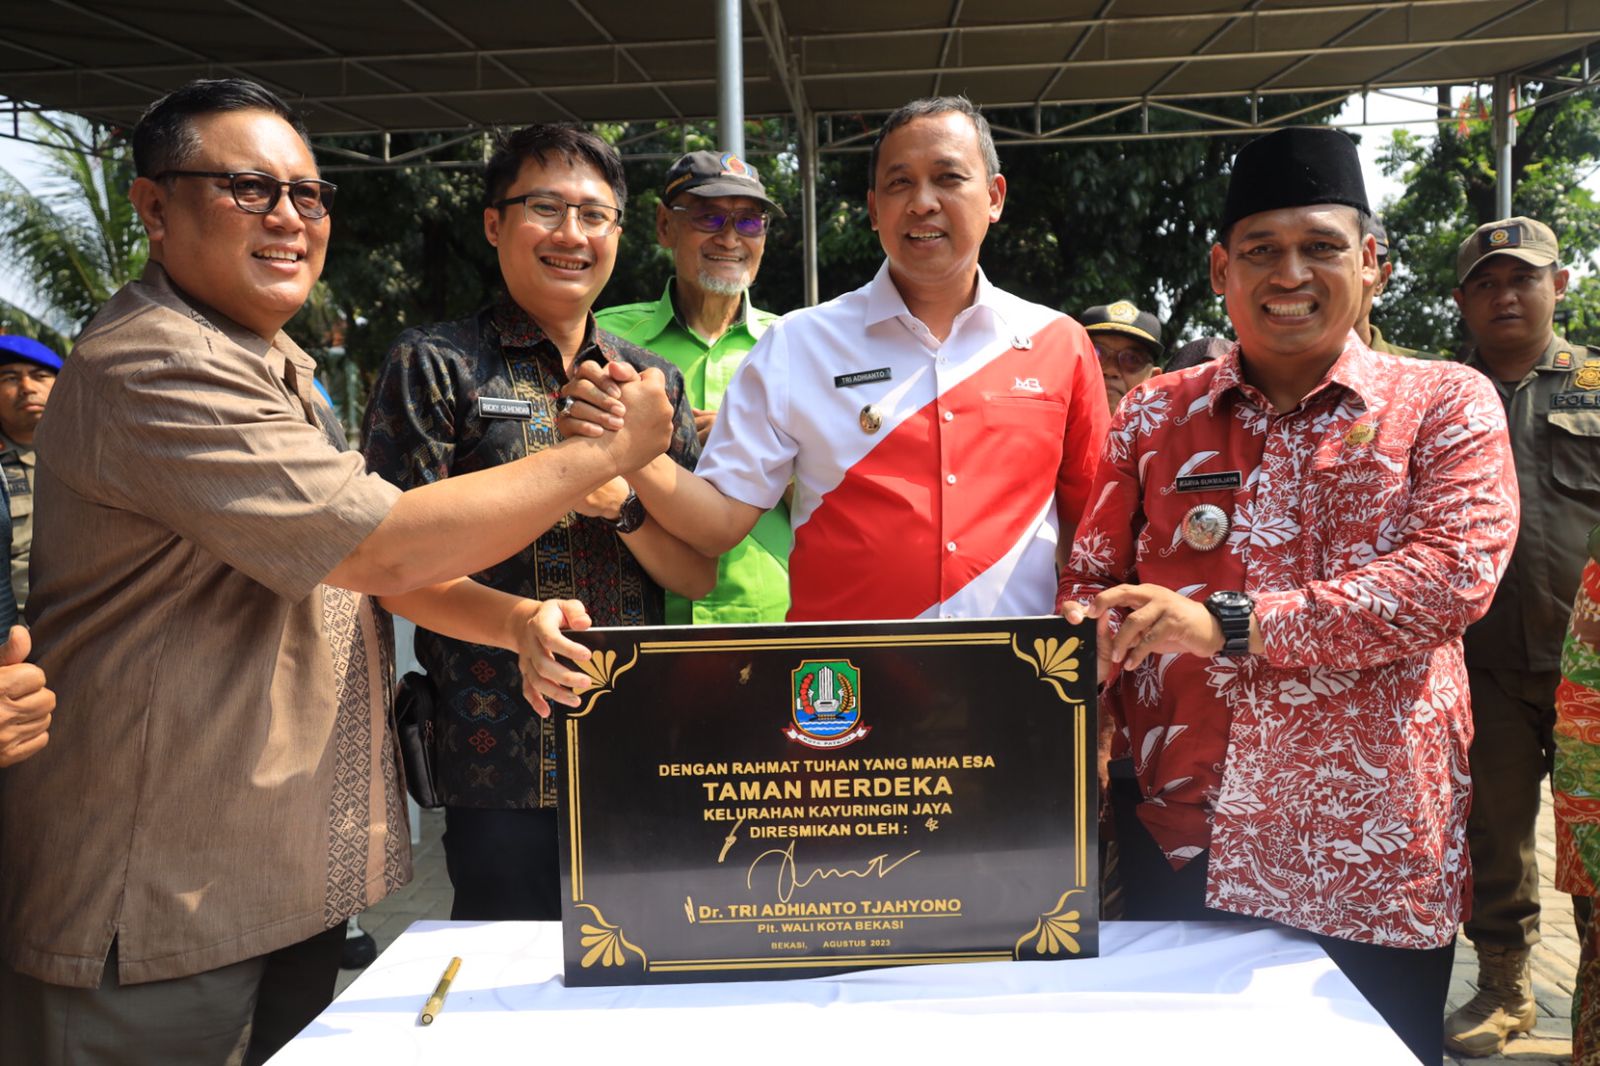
[667, 311]
[1547, 361]
[1355, 369]
[885, 302]
[277, 351]
[518, 329]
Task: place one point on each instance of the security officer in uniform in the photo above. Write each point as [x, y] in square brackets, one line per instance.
[27, 374]
[1365, 328]
[1128, 342]
[1510, 281]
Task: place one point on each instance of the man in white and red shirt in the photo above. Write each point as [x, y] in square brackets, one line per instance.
[1283, 549]
[941, 434]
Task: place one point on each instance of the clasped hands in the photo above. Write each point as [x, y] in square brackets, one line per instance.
[1155, 621]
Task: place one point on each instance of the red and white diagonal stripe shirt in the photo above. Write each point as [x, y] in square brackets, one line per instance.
[951, 506]
[1371, 524]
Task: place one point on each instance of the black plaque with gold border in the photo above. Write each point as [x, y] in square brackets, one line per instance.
[745, 802]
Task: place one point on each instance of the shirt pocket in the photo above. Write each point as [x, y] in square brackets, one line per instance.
[1033, 415]
[1575, 450]
[1358, 506]
[1028, 430]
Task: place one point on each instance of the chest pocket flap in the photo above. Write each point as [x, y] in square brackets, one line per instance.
[1575, 449]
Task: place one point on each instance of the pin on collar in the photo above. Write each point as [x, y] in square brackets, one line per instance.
[871, 419]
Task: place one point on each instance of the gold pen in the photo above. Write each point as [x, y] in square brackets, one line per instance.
[435, 1004]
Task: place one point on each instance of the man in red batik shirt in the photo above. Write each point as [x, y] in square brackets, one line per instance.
[1282, 550]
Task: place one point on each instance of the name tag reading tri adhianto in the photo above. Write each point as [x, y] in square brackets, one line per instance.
[861, 377]
[1226, 479]
[501, 407]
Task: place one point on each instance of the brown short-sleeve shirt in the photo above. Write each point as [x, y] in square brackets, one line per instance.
[220, 780]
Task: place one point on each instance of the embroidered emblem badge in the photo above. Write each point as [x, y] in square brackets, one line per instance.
[1587, 378]
[1122, 311]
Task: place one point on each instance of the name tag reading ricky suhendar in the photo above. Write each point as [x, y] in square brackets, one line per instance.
[501, 407]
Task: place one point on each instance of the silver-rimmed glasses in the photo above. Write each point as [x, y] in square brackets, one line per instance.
[550, 212]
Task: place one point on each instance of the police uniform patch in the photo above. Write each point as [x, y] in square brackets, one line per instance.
[1502, 237]
[1563, 361]
[1587, 378]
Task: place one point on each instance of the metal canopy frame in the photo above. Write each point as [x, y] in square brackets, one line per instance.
[363, 67]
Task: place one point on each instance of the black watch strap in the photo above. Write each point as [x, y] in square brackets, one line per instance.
[631, 516]
[1233, 611]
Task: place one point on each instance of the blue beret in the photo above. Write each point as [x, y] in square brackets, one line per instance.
[14, 348]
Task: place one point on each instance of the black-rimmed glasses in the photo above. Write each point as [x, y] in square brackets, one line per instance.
[594, 219]
[259, 193]
[745, 223]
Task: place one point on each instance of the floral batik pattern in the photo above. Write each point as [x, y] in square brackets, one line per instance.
[1576, 787]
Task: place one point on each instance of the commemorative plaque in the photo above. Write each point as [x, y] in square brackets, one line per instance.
[746, 802]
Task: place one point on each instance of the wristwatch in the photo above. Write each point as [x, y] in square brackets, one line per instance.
[1232, 611]
[631, 515]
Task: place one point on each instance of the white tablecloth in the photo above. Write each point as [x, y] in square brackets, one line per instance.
[1180, 993]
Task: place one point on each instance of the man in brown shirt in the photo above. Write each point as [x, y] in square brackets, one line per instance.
[220, 790]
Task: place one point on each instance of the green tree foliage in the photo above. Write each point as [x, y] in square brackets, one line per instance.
[406, 249]
[1084, 224]
[75, 239]
[1450, 191]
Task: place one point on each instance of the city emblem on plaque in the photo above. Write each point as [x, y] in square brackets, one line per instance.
[825, 709]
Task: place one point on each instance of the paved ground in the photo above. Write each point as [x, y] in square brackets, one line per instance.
[1554, 961]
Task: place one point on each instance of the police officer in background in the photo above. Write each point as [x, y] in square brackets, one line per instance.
[27, 374]
[1510, 280]
[1365, 328]
[1128, 342]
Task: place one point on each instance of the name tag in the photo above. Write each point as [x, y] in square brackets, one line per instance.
[1570, 401]
[500, 407]
[861, 377]
[1227, 479]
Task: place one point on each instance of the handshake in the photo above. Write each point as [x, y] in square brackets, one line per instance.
[625, 409]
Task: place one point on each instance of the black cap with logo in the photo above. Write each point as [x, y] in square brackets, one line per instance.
[715, 174]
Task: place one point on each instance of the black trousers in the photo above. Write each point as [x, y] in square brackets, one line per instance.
[504, 865]
[240, 1013]
[1407, 987]
[297, 984]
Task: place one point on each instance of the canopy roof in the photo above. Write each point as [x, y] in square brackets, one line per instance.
[359, 66]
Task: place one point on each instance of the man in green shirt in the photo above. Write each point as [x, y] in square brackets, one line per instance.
[713, 217]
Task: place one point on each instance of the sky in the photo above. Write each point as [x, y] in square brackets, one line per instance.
[1383, 113]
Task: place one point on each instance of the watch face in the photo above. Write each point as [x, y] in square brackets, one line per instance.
[1237, 601]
